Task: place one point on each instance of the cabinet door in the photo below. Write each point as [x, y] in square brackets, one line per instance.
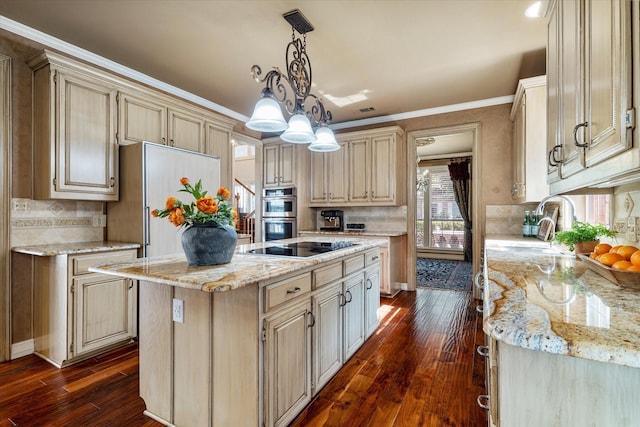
[383, 162]
[218, 143]
[141, 119]
[287, 164]
[607, 78]
[287, 363]
[337, 173]
[570, 85]
[104, 311]
[186, 130]
[553, 94]
[270, 154]
[371, 300]
[86, 157]
[327, 335]
[358, 170]
[318, 178]
[353, 315]
[517, 188]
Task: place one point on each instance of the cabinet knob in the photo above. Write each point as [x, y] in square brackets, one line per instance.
[483, 401]
[479, 308]
[575, 135]
[483, 350]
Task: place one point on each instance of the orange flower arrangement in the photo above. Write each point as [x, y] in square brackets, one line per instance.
[205, 209]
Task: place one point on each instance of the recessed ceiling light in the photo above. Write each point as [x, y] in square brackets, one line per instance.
[534, 11]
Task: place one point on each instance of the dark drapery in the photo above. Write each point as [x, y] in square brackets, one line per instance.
[459, 173]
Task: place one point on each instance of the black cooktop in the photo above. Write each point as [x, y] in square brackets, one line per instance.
[302, 249]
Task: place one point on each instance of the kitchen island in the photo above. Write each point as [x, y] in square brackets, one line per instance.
[563, 342]
[250, 342]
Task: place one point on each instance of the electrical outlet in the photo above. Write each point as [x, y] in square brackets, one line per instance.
[178, 310]
[99, 220]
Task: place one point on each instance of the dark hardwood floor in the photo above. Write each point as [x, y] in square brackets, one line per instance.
[420, 368]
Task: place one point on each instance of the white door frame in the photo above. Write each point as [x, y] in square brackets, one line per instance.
[476, 196]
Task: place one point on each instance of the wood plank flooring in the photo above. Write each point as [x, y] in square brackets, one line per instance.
[420, 368]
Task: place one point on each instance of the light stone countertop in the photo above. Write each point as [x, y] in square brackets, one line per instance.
[356, 233]
[74, 248]
[244, 268]
[540, 299]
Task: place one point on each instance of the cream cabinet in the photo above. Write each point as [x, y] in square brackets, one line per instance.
[185, 130]
[529, 150]
[371, 298]
[279, 165]
[217, 139]
[74, 134]
[329, 177]
[327, 333]
[78, 314]
[353, 335]
[287, 363]
[589, 89]
[367, 171]
[141, 118]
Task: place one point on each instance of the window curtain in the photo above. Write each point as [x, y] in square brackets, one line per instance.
[459, 173]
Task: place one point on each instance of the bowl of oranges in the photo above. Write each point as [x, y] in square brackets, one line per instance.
[619, 264]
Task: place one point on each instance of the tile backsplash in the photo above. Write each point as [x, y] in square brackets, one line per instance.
[36, 222]
[379, 218]
[506, 219]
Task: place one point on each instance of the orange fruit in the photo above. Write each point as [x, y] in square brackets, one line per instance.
[634, 268]
[615, 249]
[626, 251]
[593, 255]
[635, 258]
[621, 265]
[610, 258]
[602, 248]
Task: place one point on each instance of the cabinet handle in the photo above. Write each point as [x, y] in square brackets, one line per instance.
[476, 280]
[483, 401]
[350, 297]
[112, 182]
[370, 283]
[551, 157]
[163, 140]
[375, 258]
[483, 350]
[130, 283]
[313, 320]
[330, 196]
[479, 308]
[373, 194]
[365, 193]
[575, 135]
[294, 291]
[342, 304]
[171, 143]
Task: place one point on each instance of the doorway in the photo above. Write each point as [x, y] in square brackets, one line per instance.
[443, 144]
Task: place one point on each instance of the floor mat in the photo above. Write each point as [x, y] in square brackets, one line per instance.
[445, 274]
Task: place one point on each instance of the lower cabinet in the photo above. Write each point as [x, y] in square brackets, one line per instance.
[287, 363]
[353, 314]
[78, 314]
[327, 334]
[371, 299]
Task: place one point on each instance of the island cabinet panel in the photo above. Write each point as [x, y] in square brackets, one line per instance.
[287, 364]
[327, 334]
[371, 299]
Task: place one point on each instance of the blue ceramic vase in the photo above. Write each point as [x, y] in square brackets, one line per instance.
[209, 243]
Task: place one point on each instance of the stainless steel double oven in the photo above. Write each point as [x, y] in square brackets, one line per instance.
[279, 210]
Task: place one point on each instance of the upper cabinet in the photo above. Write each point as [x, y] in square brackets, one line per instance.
[82, 114]
[589, 88]
[75, 150]
[367, 170]
[529, 116]
[279, 165]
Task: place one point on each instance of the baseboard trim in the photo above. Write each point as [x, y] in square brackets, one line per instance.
[23, 348]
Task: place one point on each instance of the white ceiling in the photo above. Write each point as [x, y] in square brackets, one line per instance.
[402, 55]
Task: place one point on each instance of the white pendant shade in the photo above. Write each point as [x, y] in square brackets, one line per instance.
[299, 131]
[325, 141]
[267, 117]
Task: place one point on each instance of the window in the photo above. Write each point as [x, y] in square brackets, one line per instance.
[439, 224]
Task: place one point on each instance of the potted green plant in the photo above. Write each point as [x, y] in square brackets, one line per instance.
[583, 237]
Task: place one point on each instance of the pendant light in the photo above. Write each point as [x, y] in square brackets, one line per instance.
[294, 96]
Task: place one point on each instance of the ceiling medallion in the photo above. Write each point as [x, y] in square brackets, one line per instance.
[303, 106]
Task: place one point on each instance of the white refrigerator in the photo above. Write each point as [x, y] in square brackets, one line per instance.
[149, 174]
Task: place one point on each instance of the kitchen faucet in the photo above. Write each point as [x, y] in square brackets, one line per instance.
[540, 209]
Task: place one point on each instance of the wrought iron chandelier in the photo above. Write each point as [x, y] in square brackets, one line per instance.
[267, 115]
